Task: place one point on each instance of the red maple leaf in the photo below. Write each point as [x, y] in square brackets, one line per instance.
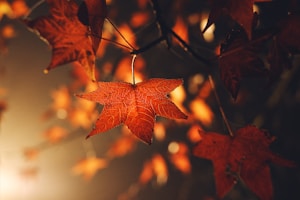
[134, 105]
[239, 60]
[243, 157]
[69, 38]
[239, 11]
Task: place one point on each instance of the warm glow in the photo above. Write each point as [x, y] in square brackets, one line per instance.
[127, 33]
[208, 35]
[19, 8]
[205, 90]
[31, 153]
[139, 19]
[193, 133]
[181, 162]
[8, 31]
[202, 111]
[55, 134]
[173, 147]
[61, 98]
[5, 9]
[160, 169]
[180, 28]
[124, 72]
[122, 146]
[159, 131]
[194, 83]
[88, 167]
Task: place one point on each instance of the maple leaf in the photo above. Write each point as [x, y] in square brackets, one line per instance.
[243, 157]
[69, 38]
[238, 60]
[239, 11]
[134, 105]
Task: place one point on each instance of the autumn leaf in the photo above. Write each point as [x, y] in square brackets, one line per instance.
[239, 60]
[244, 157]
[239, 11]
[69, 38]
[134, 105]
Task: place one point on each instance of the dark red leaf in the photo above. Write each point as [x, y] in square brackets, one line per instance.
[238, 60]
[243, 157]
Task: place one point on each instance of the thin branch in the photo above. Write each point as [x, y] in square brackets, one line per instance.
[122, 36]
[117, 44]
[37, 4]
[212, 83]
[148, 46]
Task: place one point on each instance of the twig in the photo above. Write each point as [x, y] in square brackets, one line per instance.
[37, 4]
[122, 36]
[117, 44]
[148, 46]
[212, 83]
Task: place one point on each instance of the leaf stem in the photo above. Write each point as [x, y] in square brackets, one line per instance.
[132, 68]
[122, 36]
[212, 84]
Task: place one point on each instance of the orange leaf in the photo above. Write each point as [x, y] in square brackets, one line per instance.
[134, 105]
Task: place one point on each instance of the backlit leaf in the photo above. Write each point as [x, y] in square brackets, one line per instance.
[134, 105]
